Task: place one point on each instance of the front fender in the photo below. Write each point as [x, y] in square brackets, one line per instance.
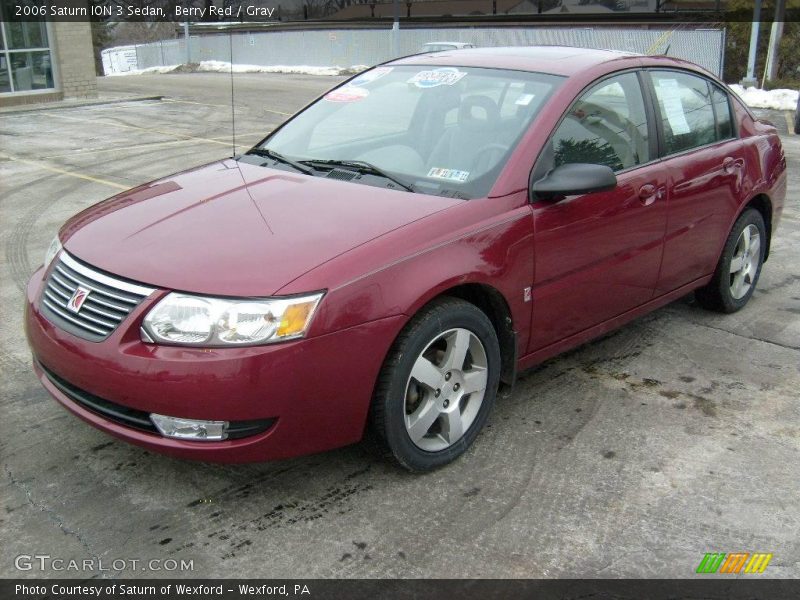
[490, 243]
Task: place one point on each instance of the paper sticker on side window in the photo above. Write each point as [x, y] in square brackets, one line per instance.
[437, 77]
[449, 174]
[670, 95]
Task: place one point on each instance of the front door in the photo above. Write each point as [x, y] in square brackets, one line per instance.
[598, 255]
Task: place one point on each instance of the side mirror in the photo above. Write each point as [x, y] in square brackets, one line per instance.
[574, 179]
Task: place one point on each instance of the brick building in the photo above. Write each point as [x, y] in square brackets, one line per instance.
[41, 62]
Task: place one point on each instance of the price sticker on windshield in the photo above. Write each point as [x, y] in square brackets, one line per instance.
[436, 77]
[524, 99]
[449, 174]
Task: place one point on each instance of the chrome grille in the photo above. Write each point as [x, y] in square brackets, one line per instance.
[108, 302]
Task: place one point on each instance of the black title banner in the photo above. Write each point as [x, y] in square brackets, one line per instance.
[713, 588]
[141, 10]
[242, 11]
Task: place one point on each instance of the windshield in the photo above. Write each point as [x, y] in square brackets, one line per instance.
[434, 130]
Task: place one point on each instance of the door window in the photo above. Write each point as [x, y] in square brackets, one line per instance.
[722, 110]
[607, 126]
[685, 105]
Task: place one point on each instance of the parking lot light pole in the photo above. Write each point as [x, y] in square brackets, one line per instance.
[750, 79]
[186, 34]
[396, 30]
[186, 41]
[774, 40]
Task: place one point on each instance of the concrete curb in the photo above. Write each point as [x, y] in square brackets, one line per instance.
[13, 110]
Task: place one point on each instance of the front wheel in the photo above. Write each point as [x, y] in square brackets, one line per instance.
[437, 386]
[739, 266]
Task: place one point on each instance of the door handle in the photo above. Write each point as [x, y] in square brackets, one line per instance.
[648, 194]
[729, 164]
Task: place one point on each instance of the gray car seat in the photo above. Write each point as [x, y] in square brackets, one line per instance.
[471, 145]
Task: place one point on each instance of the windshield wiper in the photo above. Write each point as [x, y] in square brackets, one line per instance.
[267, 153]
[361, 166]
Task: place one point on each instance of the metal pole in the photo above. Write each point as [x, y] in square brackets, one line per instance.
[233, 105]
[186, 41]
[396, 30]
[750, 79]
[775, 39]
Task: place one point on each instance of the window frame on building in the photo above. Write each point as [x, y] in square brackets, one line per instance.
[6, 52]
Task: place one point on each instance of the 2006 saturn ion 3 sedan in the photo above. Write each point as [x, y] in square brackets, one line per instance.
[401, 247]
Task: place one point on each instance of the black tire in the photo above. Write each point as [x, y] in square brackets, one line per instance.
[389, 403]
[717, 294]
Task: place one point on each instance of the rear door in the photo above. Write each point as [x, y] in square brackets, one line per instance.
[598, 255]
[705, 160]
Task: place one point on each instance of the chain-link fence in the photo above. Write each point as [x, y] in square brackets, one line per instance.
[345, 48]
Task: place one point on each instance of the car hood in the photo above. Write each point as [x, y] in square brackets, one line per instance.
[235, 229]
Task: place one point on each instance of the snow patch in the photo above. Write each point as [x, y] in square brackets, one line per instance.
[774, 99]
[754, 97]
[218, 66]
[149, 70]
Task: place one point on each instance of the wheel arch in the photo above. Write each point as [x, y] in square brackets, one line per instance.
[494, 305]
[763, 205]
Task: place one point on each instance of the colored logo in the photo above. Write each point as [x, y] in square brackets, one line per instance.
[78, 298]
[733, 563]
[437, 77]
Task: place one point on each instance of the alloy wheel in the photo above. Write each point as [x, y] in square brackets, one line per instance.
[745, 261]
[445, 390]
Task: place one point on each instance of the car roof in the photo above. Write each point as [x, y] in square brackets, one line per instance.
[557, 60]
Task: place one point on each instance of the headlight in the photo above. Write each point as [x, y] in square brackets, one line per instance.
[188, 320]
[52, 250]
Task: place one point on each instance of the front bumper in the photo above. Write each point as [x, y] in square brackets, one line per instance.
[314, 392]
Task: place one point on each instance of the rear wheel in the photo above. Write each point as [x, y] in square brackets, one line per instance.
[437, 385]
[739, 266]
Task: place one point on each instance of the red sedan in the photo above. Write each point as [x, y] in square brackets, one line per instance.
[400, 248]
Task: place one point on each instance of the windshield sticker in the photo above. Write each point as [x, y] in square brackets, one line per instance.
[371, 76]
[348, 93]
[449, 174]
[524, 99]
[437, 77]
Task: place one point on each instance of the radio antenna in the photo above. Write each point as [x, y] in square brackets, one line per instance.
[233, 105]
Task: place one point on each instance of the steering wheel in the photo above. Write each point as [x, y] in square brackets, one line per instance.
[487, 156]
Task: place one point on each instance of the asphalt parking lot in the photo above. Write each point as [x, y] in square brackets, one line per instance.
[631, 456]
